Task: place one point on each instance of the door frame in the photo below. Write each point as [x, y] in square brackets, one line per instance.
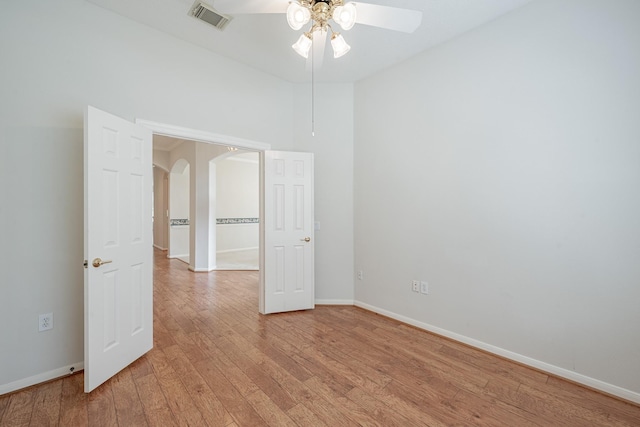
[229, 141]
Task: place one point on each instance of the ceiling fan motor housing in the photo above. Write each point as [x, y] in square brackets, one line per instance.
[322, 10]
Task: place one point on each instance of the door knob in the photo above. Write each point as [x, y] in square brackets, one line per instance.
[98, 262]
[306, 239]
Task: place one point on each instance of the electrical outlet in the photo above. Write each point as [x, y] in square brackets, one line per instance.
[415, 286]
[360, 275]
[424, 287]
[45, 322]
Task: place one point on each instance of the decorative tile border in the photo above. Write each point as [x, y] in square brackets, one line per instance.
[185, 221]
[237, 220]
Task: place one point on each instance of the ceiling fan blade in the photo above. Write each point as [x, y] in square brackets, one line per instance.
[391, 18]
[251, 6]
[316, 55]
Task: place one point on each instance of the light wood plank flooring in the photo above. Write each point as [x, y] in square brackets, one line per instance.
[217, 362]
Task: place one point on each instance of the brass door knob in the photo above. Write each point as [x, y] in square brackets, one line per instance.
[98, 262]
[306, 239]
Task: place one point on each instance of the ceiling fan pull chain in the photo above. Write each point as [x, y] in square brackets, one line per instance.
[313, 98]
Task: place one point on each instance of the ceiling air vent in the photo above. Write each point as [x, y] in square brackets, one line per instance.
[208, 14]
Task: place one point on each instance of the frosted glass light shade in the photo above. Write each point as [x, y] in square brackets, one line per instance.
[345, 16]
[340, 47]
[297, 15]
[303, 45]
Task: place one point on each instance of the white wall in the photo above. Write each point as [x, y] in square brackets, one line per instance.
[41, 247]
[179, 191]
[60, 57]
[179, 205]
[161, 169]
[504, 168]
[57, 58]
[237, 237]
[237, 196]
[333, 161]
[160, 208]
[238, 185]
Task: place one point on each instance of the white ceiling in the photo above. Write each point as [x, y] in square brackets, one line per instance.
[263, 41]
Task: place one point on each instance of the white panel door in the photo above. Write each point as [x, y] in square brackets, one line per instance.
[287, 276]
[118, 281]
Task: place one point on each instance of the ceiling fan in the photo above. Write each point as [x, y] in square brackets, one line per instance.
[321, 14]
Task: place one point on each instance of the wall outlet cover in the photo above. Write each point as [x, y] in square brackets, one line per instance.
[424, 287]
[45, 322]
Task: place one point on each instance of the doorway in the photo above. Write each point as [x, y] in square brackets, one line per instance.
[118, 168]
[286, 220]
[242, 219]
[233, 202]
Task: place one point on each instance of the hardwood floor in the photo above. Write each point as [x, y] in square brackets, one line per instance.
[217, 362]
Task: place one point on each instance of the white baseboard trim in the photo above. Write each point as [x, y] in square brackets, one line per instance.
[160, 247]
[554, 370]
[334, 302]
[40, 378]
[252, 248]
[542, 366]
[177, 256]
[201, 270]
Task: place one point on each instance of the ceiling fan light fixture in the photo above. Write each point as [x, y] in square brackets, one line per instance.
[345, 16]
[339, 45]
[297, 15]
[303, 45]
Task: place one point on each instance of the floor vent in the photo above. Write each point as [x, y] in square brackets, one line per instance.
[208, 14]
